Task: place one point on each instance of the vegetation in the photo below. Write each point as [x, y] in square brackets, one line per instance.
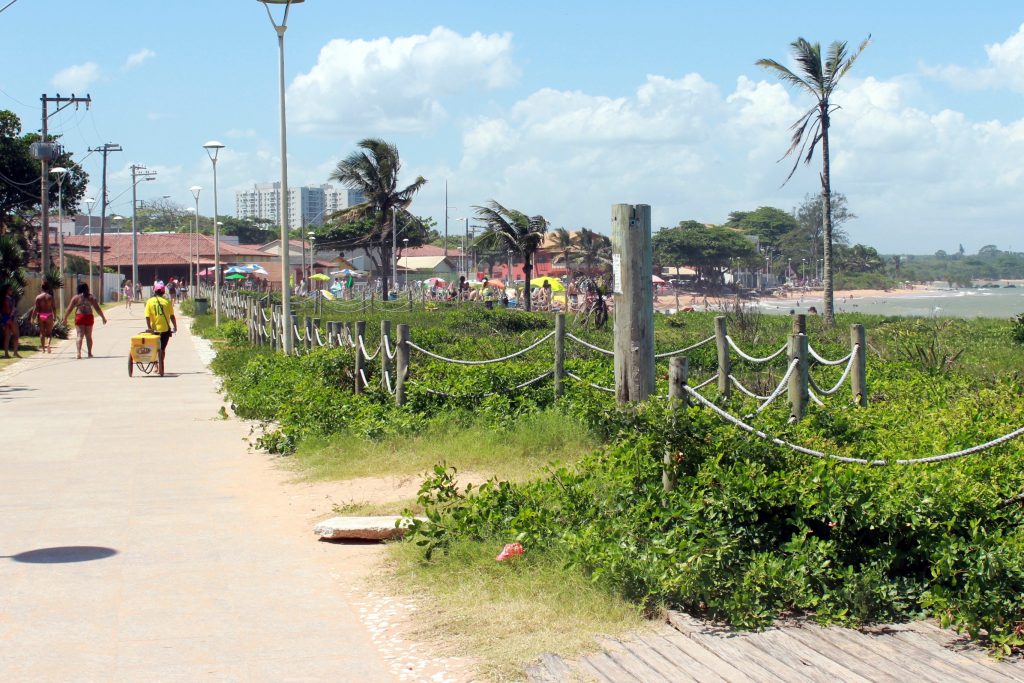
[820, 81]
[752, 530]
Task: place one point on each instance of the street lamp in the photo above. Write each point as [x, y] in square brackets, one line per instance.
[195, 190]
[60, 172]
[312, 250]
[212, 149]
[286, 302]
[139, 173]
[89, 201]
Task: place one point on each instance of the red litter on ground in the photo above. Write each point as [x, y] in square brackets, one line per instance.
[510, 550]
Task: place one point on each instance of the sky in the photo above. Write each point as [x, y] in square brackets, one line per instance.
[554, 108]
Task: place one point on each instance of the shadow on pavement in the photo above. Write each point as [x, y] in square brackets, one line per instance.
[63, 554]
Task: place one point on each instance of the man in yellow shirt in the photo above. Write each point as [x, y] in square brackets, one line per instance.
[160, 317]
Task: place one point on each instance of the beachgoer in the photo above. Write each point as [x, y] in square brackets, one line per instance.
[43, 312]
[83, 304]
[160, 318]
[127, 292]
[9, 320]
[172, 289]
[138, 292]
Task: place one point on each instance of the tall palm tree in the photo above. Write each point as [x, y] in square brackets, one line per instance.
[565, 242]
[511, 229]
[820, 81]
[374, 172]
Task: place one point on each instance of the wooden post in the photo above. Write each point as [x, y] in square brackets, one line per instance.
[316, 328]
[410, 300]
[402, 369]
[678, 374]
[724, 363]
[293, 330]
[798, 394]
[800, 324]
[858, 373]
[360, 360]
[634, 302]
[385, 362]
[559, 353]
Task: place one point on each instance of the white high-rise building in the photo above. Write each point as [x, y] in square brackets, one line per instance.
[306, 205]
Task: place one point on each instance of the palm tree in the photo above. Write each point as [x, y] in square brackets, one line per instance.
[594, 249]
[511, 229]
[820, 81]
[565, 243]
[12, 264]
[374, 172]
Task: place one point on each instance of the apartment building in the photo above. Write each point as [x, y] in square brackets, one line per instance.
[306, 205]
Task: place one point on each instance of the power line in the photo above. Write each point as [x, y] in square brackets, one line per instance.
[7, 5]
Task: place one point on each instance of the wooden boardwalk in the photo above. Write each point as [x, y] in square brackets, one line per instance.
[687, 650]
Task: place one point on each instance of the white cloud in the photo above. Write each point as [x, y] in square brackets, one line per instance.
[914, 177]
[396, 85]
[1005, 68]
[137, 58]
[77, 77]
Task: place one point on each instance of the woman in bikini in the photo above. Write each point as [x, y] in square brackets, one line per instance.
[83, 304]
[44, 315]
[8, 320]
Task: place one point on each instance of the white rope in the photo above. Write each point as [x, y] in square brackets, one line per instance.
[838, 385]
[387, 349]
[366, 354]
[823, 361]
[814, 398]
[264, 314]
[363, 375]
[521, 385]
[688, 348]
[298, 337]
[349, 341]
[319, 339]
[779, 389]
[484, 362]
[589, 345]
[387, 382]
[855, 461]
[706, 382]
[748, 357]
[743, 390]
[595, 386]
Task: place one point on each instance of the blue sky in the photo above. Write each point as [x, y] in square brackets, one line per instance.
[557, 108]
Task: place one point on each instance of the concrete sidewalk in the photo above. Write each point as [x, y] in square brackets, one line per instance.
[140, 540]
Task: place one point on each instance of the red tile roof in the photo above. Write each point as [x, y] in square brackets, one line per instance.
[158, 249]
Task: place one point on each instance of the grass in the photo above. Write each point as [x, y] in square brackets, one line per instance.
[518, 453]
[506, 614]
[24, 349]
[391, 507]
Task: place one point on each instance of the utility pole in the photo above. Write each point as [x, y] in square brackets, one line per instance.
[446, 219]
[104, 150]
[139, 173]
[44, 177]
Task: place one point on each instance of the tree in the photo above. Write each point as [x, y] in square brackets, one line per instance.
[12, 264]
[767, 222]
[565, 243]
[374, 171]
[513, 230]
[806, 240]
[710, 250]
[820, 81]
[595, 251]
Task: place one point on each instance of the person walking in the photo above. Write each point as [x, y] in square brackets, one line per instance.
[45, 316]
[83, 304]
[160, 318]
[9, 320]
[127, 293]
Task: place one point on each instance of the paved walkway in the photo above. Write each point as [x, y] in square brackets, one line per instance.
[141, 542]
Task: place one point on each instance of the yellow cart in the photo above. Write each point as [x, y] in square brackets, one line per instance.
[145, 354]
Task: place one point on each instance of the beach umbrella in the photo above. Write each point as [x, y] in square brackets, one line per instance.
[556, 285]
[345, 271]
[435, 282]
[235, 270]
[488, 283]
[657, 280]
[235, 276]
[319, 276]
[255, 268]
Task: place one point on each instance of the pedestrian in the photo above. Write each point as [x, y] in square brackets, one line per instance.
[42, 311]
[172, 289]
[127, 293]
[9, 320]
[83, 304]
[160, 318]
[138, 291]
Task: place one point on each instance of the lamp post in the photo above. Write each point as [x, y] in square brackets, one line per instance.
[139, 173]
[195, 190]
[511, 280]
[212, 149]
[89, 202]
[405, 247]
[286, 300]
[394, 245]
[60, 172]
[312, 250]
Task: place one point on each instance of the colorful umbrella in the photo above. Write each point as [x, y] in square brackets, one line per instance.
[235, 276]
[657, 280]
[319, 276]
[434, 282]
[556, 285]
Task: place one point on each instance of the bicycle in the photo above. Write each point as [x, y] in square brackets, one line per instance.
[594, 309]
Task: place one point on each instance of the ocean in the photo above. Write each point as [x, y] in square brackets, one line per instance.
[963, 303]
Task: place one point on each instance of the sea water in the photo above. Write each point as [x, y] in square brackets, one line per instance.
[963, 303]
